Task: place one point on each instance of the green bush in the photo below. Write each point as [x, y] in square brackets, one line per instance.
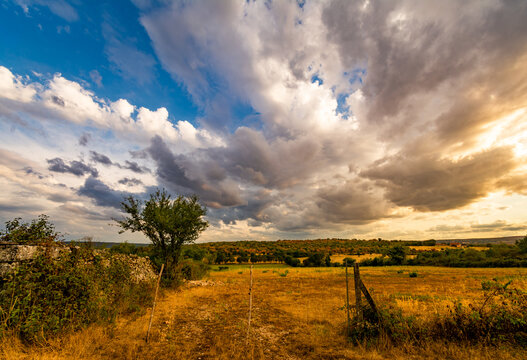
[192, 269]
[49, 295]
[39, 231]
[412, 274]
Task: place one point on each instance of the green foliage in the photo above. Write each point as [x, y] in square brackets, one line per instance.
[316, 259]
[46, 296]
[412, 274]
[243, 258]
[168, 223]
[284, 274]
[522, 245]
[192, 269]
[348, 262]
[292, 261]
[39, 231]
[397, 254]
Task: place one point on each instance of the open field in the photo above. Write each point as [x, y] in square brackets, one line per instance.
[297, 314]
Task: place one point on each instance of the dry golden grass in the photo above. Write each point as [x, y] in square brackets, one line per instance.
[296, 315]
[340, 258]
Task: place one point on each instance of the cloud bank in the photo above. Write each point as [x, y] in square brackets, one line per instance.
[360, 113]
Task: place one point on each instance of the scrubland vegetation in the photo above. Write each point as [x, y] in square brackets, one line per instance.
[301, 315]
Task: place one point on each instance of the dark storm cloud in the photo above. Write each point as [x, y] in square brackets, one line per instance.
[101, 193]
[77, 168]
[355, 202]
[172, 170]
[130, 182]
[135, 167]
[129, 165]
[100, 158]
[432, 184]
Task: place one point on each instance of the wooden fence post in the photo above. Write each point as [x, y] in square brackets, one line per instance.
[369, 298]
[347, 301]
[154, 305]
[357, 291]
[250, 303]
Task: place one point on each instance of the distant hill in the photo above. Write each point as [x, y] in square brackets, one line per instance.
[511, 240]
[107, 245]
[245, 245]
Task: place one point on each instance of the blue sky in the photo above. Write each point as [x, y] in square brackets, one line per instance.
[103, 46]
[288, 119]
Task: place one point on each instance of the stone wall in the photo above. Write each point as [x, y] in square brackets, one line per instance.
[12, 255]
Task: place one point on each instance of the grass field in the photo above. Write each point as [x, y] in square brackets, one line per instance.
[298, 313]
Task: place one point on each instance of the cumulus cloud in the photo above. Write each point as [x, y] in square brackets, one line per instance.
[60, 99]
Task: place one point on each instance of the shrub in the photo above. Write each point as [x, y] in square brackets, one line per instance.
[412, 274]
[192, 269]
[47, 295]
[292, 261]
[39, 231]
[348, 261]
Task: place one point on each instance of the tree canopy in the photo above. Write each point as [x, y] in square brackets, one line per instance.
[39, 231]
[168, 223]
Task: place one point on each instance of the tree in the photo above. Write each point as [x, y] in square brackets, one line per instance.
[39, 231]
[168, 223]
[397, 254]
[522, 245]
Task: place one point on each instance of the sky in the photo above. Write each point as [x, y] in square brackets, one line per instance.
[289, 119]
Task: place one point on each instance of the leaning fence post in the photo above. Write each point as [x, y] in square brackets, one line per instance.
[154, 304]
[357, 291]
[250, 303]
